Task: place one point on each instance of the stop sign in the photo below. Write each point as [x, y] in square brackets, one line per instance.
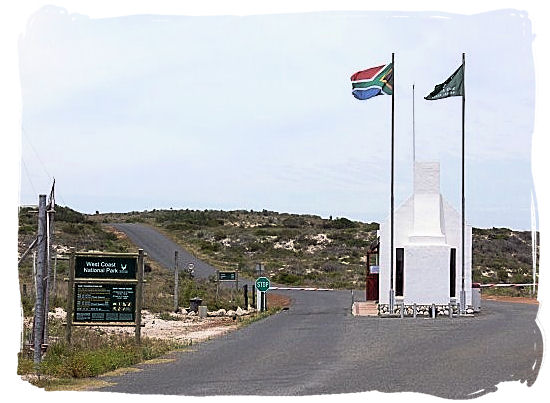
[262, 284]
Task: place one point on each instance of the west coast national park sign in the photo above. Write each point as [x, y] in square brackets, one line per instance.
[105, 288]
[105, 267]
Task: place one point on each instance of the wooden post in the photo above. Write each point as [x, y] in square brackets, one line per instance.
[54, 285]
[253, 295]
[139, 291]
[217, 285]
[245, 293]
[34, 272]
[48, 269]
[40, 270]
[70, 298]
[176, 281]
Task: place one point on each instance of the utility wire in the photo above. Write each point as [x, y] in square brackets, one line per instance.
[35, 153]
[27, 174]
[51, 178]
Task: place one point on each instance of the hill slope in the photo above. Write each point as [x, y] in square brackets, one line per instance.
[310, 250]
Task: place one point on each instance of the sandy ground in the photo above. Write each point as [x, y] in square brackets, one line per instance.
[182, 327]
[178, 327]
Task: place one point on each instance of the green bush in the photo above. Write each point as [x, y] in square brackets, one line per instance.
[340, 223]
[287, 278]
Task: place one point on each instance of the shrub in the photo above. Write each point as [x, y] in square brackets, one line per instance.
[287, 278]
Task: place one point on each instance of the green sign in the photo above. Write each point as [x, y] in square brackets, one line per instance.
[227, 276]
[105, 302]
[262, 284]
[105, 267]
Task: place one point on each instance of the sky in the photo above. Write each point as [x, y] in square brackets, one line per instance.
[255, 112]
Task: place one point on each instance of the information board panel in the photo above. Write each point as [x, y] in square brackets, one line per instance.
[105, 267]
[104, 302]
[227, 276]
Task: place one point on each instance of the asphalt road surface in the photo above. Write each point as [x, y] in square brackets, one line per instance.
[161, 249]
[318, 347]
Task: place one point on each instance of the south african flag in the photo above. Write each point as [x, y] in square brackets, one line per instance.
[372, 82]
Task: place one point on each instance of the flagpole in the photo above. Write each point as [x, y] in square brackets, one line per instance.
[463, 292]
[391, 199]
[414, 135]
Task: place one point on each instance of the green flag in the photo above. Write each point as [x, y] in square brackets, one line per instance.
[452, 87]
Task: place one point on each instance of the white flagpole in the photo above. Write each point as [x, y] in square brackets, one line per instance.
[533, 242]
[392, 291]
[414, 135]
[463, 291]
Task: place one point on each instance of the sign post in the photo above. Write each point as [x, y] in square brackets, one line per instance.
[105, 289]
[262, 285]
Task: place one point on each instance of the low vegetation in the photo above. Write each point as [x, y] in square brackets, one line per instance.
[92, 353]
[307, 250]
[294, 249]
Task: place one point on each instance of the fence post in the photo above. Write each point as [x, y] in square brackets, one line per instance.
[40, 283]
[70, 298]
[176, 281]
[139, 290]
[245, 293]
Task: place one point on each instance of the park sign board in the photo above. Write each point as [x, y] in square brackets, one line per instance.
[104, 302]
[227, 276]
[104, 287]
[105, 267]
[262, 284]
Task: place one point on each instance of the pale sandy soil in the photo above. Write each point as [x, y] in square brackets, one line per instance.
[184, 328]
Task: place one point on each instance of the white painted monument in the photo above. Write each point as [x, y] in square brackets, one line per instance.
[428, 250]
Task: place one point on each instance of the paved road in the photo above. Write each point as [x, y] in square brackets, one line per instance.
[318, 347]
[161, 249]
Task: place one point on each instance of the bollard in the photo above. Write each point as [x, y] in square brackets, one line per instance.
[450, 311]
[203, 311]
[402, 309]
[245, 293]
[414, 310]
[458, 308]
[433, 311]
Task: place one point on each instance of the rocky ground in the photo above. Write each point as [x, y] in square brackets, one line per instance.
[184, 326]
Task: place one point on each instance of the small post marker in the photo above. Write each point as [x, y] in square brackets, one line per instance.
[176, 281]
